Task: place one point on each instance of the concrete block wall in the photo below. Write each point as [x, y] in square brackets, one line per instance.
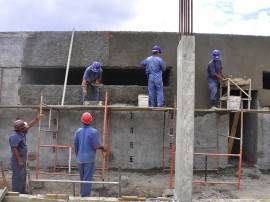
[210, 139]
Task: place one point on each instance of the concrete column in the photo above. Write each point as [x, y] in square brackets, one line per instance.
[185, 119]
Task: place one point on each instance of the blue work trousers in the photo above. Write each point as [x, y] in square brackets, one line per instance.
[95, 93]
[213, 87]
[18, 177]
[155, 87]
[86, 174]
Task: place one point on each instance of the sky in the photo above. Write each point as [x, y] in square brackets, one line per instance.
[243, 17]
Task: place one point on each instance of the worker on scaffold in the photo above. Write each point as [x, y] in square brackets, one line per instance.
[214, 76]
[154, 67]
[91, 78]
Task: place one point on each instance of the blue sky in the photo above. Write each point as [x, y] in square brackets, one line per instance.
[245, 17]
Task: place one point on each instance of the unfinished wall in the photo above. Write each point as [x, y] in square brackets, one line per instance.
[22, 51]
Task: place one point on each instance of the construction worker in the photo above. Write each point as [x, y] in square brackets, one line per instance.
[18, 158]
[215, 75]
[86, 142]
[92, 75]
[154, 67]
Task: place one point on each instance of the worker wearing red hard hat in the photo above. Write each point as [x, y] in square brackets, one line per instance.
[86, 142]
[19, 153]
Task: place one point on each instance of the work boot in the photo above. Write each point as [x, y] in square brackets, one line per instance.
[213, 104]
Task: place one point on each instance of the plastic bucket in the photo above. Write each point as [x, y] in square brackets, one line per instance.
[143, 100]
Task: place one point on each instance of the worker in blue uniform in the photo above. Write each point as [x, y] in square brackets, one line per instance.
[18, 158]
[86, 142]
[154, 67]
[214, 76]
[91, 76]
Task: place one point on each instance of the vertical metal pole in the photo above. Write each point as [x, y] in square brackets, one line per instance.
[163, 143]
[104, 135]
[69, 161]
[109, 140]
[67, 69]
[205, 169]
[172, 167]
[191, 16]
[241, 146]
[50, 116]
[39, 129]
[1, 84]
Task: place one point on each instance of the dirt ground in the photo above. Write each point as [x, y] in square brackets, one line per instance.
[255, 184]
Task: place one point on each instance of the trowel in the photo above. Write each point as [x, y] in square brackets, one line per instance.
[97, 84]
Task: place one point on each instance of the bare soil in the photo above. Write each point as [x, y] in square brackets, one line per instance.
[152, 183]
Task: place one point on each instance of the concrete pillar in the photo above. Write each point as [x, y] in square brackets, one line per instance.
[185, 119]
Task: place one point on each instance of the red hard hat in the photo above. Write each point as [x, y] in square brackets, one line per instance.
[86, 118]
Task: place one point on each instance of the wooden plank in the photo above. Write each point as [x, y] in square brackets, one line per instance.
[233, 131]
[3, 193]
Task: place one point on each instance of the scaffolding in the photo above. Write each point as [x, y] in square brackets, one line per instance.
[56, 146]
[235, 84]
[231, 137]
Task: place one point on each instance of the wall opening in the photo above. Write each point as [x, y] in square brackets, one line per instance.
[266, 80]
[111, 76]
[250, 133]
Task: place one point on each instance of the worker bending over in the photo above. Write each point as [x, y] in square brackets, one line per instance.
[92, 75]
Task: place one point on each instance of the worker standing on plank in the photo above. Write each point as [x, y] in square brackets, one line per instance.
[154, 67]
[86, 142]
[18, 159]
[92, 75]
[215, 75]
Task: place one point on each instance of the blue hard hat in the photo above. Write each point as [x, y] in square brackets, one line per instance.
[215, 54]
[156, 49]
[95, 67]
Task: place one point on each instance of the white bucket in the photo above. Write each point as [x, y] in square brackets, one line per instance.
[143, 100]
[234, 102]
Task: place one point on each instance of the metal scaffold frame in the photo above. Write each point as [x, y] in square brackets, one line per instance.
[231, 137]
[56, 146]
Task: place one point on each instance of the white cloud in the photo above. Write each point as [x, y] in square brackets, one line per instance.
[246, 17]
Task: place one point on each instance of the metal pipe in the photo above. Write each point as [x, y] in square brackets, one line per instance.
[172, 167]
[163, 143]
[67, 70]
[39, 131]
[210, 154]
[1, 84]
[209, 182]
[69, 161]
[241, 147]
[104, 135]
[75, 181]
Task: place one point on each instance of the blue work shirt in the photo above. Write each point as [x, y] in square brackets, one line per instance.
[91, 76]
[18, 141]
[86, 141]
[154, 66]
[214, 68]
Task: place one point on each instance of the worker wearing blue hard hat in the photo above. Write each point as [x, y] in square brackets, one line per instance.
[91, 77]
[154, 67]
[214, 76]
